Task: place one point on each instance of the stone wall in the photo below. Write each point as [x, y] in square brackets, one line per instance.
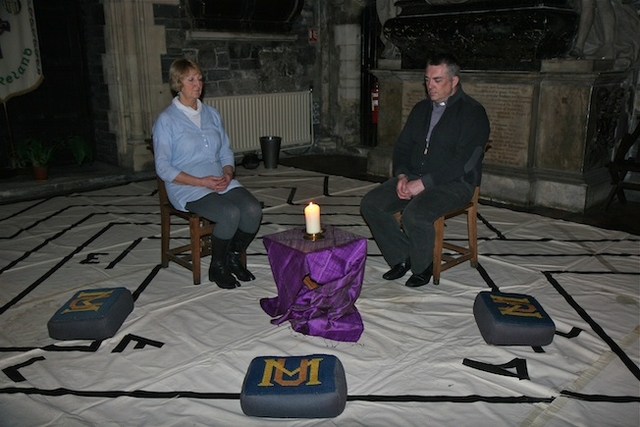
[242, 63]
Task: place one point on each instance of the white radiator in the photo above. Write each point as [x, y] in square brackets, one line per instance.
[248, 117]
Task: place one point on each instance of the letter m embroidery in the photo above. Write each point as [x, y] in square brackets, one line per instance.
[276, 372]
[88, 301]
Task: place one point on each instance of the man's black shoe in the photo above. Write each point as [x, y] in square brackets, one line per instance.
[397, 271]
[421, 279]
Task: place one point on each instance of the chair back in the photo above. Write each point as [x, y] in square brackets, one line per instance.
[626, 143]
[162, 192]
[162, 188]
[477, 170]
[621, 165]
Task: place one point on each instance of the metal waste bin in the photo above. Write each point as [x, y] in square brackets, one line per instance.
[270, 146]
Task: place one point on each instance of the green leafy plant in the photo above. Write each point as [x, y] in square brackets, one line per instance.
[35, 152]
[80, 149]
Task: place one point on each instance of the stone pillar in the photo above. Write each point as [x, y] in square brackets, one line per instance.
[400, 90]
[347, 44]
[552, 131]
[133, 73]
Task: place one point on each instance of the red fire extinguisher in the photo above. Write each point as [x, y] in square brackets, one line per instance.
[375, 106]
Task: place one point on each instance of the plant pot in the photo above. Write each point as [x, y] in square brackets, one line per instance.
[40, 173]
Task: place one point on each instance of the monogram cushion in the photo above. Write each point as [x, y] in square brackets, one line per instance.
[91, 314]
[312, 386]
[512, 319]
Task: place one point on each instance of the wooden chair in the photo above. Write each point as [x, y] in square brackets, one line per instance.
[200, 229]
[621, 166]
[458, 254]
[443, 261]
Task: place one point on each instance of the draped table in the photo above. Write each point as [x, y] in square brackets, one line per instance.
[318, 282]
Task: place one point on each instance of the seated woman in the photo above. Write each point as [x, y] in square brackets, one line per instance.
[194, 159]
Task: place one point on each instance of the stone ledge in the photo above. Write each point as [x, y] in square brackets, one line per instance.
[576, 65]
[239, 36]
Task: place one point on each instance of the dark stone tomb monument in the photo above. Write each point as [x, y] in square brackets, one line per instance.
[514, 35]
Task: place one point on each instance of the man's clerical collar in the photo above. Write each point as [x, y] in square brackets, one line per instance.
[440, 104]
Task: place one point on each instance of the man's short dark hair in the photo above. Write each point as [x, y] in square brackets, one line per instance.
[453, 66]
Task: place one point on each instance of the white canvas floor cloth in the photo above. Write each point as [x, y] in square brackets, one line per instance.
[180, 357]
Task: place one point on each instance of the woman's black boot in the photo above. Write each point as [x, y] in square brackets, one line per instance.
[239, 244]
[218, 271]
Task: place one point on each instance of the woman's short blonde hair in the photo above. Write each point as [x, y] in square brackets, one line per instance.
[180, 68]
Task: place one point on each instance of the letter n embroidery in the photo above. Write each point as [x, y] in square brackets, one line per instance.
[512, 306]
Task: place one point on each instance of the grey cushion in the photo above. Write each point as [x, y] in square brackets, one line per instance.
[91, 314]
[512, 319]
[312, 386]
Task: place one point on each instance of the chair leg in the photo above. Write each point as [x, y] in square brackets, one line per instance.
[472, 229]
[194, 236]
[621, 196]
[437, 249]
[165, 236]
[612, 194]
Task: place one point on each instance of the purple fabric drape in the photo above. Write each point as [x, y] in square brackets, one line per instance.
[336, 263]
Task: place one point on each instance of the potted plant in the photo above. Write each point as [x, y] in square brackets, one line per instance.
[35, 152]
[80, 149]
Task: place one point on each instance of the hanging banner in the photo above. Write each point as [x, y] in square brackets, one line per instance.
[20, 64]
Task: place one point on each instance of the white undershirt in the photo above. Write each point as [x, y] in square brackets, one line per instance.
[193, 115]
[436, 113]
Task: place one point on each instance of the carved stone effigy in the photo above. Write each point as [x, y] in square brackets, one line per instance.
[514, 35]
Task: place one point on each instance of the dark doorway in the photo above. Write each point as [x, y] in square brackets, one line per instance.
[370, 40]
[60, 107]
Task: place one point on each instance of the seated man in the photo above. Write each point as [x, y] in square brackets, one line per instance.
[437, 165]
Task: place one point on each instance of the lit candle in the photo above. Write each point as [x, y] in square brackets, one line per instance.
[312, 218]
